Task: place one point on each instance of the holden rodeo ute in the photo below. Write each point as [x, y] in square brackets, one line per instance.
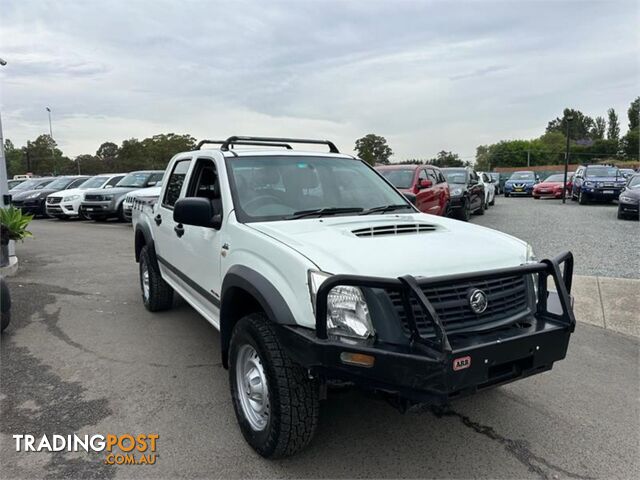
[316, 270]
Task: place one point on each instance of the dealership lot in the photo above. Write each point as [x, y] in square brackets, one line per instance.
[84, 356]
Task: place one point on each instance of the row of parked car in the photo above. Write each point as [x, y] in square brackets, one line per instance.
[454, 192]
[98, 197]
[588, 183]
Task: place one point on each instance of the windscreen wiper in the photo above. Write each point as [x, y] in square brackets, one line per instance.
[385, 208]
[323, 211]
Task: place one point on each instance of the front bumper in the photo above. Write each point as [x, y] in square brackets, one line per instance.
[63, 209]
[456, 202]
[602, 193]
[30, 207]
[628, 208]
[98, 209]
[518, 190]
[438, 368]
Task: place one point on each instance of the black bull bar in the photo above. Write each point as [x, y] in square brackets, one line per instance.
[560, 269]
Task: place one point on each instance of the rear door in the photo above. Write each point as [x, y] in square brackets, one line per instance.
[424, 195]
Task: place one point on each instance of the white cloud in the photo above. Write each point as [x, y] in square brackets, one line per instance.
[427, 75]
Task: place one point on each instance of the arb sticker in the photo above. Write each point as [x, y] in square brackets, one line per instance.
[462, 363]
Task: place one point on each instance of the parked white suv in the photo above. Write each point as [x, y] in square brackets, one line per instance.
[315, 269]
[489, 189]
[139, 197]
[66, 204]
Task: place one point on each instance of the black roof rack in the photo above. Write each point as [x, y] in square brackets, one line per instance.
[269, 141]
[243, 142]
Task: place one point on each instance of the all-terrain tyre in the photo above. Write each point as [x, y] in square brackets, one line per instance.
[463, 213]
[480, 211]
[157, 295]
[506, 194]
[276, 403]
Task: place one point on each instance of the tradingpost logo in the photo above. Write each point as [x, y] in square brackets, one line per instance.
[123, 449]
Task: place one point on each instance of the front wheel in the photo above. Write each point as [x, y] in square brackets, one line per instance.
[506, 194]
[582, 198]
[480, 211]
[276, 403]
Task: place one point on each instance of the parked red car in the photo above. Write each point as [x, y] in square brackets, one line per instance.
[552, 186]
[426, 182]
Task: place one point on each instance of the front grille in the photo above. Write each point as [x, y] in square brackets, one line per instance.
[53, 200]
[93, 198]
[129, 199]
[506, 296]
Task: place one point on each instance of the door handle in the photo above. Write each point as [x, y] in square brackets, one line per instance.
[179, 229]
[158, 219]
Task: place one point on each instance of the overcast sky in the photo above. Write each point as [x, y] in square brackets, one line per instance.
[426, 75]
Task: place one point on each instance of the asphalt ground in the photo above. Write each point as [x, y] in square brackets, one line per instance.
[83, 356]
[601, 244]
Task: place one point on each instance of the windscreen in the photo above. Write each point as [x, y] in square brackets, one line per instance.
[522, 176]
[602, 172]
[93, 182]
[455, 176]
[399, 178]
[558, 177]
[135, 180]
[279, 187]
[59, 183]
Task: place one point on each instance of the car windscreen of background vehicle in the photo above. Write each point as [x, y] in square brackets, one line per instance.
[95, 182]
[456, 176]
[273, 188]
[522, 176]
[602, 172]
[133, 180]
[558, 177]
[399, 178]
[634, 183]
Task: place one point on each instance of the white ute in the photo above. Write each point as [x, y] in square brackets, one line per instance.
[316, 270]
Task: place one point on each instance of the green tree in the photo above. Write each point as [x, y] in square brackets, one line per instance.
[14, 158]
[579, 127]
[131, 155]
[634, 114]
[412, 161]
[631, 144]
[613, 125]
[159, 149]
[107, 153]
[446, 159]
[599, 128]
[42, 156]
[373, 149]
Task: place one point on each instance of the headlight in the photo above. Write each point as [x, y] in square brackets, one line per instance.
[347, 310]
[588, 184]
[71, 198]
[34, 195]
[106, 198]
[530, 255]
[456, 192]
[624, 198]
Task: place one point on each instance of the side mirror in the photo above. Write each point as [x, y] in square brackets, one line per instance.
[424, 183]
[473, 181]
[198, 212]
[411, 197]
[152, 183]
[108, 186]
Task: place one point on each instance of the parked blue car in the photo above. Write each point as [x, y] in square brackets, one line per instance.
[520, 183]
[597, 182]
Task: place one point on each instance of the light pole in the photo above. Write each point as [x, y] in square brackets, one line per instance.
[566, 163]
[53, 157]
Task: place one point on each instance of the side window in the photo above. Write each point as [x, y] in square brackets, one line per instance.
[441, 178]
[205, 183]
[431, 175]
[175, 182]
[485, 178]
[422, 175]
[114, 180]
